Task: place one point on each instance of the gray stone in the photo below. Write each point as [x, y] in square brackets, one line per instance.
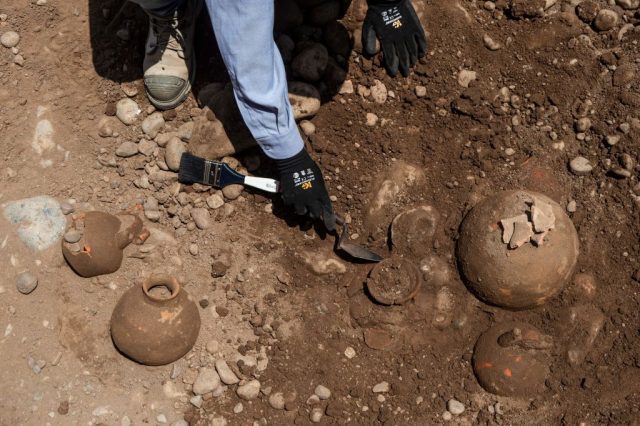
[127, 110]
[323, 392]
[153, 124]
[249, 390]
[127, 149]
[173, 153]
[606, 20]
[72, 236]
[26, 282]
[207, 381]
[10, 39]
[580, 166]
[276, 401]
[67, 208]
[215, 201]
[41, 222]
[227, 375]
[455, 407]
[147, 147]
[201, 217]
[381, 387]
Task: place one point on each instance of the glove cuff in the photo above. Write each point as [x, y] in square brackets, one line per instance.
[298, 161]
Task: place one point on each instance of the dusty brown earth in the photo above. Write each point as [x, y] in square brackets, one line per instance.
[274, 300]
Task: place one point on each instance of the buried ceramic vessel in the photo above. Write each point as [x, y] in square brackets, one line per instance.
[99, 250]
[155, 323]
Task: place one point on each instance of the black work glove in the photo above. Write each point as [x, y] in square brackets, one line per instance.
[401, 35]
[303, 188]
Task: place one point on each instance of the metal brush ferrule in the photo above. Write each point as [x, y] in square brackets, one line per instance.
[211, 173]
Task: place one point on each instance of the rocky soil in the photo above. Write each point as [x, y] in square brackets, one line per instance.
[514, 94]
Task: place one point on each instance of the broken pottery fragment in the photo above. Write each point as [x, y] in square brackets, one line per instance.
[508, 226]
[103, 238]
[155, 323]
[522, 233]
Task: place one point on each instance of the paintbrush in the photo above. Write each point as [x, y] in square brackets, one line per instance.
[194, 169]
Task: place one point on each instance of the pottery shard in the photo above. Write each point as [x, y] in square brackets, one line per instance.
[508, 226]
[542, 217]
[522, 234]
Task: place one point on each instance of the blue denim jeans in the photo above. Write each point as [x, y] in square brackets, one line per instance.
[244, 31]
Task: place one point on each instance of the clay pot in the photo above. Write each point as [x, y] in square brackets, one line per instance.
[153, 329]
[394, 281]
[515, 278]
[104, 236]
[412, 231]
[512, 359]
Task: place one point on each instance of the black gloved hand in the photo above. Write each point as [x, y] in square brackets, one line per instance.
[303, 188]
[401, 35]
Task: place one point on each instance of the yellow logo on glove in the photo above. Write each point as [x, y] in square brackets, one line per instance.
[397, 24]
[307, 185]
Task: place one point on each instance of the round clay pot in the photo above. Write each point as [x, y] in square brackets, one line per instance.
[518, 278]
[512, 359]
[394, 281]
[104, 236]
[155, 330]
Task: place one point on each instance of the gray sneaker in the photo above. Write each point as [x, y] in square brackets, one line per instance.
[170, 61]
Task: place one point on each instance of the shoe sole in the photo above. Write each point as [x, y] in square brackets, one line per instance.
[165, 105]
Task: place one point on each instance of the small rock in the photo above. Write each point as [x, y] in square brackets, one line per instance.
[72, 236]
[580, 166]
[181, 422]
[249, 390]
[447, 416]
[628, 4]
[207, 381]
[381, 387]
[227, 375]
[161, 418]
[173, 154]
[67, 208]
[583, 124]
[232, 192]
[311, 63]
[572, 207]
[322, 392]
[421, 91]
[350, 353]
[196, 401]
[185, 131]
[304, 99]
[346, 88]
[18, 60]
[201, 217]
[606, 20]
[218, 421]
[193, 249]
[490, 43]
[455, 407]
[146, 147]
[127, 149]
[26, 282]
[379, 92]
[238, 408]
[372, 119]
[215, 201]
[153, 124]
[465, 77]
[105, 127]
[316, 415]
[10, 39]
[276, 401]
[308, 128]
[613, 140]
[624, 74]
[127, 111]
[129, 89]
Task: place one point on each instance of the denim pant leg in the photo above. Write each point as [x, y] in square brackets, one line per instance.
[158, 7]
[244, 30]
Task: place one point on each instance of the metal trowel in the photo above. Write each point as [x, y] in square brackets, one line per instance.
[353, 250]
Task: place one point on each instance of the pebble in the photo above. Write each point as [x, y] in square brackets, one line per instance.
[465, 77]
[207, 381]
[153, 124]
[193, 249]
[212, 347]
[350, 352]
[613, 140]
[125, 421]
[26, 282]
[304, 99]
[447, 416]
[201, 217]
[572, 207]
[173, 154]
[583, 124]
[628, 4]
[227, 375]
[490, 43]
[127, 110]
[238, 408]
[147, 147]
[580, 166]
[249, 390]
[161, 418]
[181, 422]
[379, 92]
[346, 88]
[316, 415]
[196, 401]
[372, 119]
[323, 392]
[10, 39]
[455, 407]
[381, 387]
[127, 149]
[421, 91]
[18, 60]
[72, 236]
[218, 421]
[276, 401]
[105, 127]
[606, 20]
[215, 201]
[308, 128]
[231, 192]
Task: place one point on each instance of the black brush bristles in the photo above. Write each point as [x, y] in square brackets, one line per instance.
[192, 170]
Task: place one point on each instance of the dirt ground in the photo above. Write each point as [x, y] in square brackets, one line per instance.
[274, 299]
